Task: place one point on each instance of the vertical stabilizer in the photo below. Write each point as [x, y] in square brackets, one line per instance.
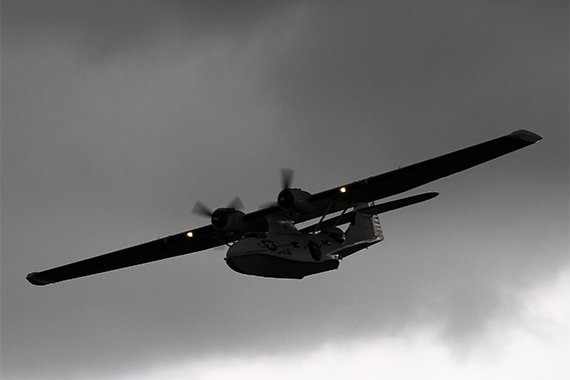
[365, 228]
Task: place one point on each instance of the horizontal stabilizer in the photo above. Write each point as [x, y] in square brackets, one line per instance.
[398, 203]
[372, 210]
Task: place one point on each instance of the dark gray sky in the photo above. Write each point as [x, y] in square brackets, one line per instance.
[118, 115]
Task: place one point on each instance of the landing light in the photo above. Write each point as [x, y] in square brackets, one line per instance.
[342, 189]
[190, 234]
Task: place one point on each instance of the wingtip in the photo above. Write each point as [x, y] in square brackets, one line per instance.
[526, 136]
[425, 196]
[33, 279]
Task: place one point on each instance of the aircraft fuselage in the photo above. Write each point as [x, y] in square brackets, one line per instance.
[292, 255]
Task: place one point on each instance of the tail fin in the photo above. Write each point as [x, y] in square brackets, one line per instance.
[365, 228]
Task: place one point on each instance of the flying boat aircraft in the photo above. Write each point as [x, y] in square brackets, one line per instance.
[268, 242]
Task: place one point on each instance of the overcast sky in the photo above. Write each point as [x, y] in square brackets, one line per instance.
[118, 115]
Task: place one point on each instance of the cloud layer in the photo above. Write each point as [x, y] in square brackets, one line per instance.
[117, 116]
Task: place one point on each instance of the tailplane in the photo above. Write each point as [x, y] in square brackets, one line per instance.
[364, 231]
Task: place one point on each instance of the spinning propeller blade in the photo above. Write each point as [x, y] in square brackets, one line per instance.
[201, 209]
[286, 182]
[236, 204]
[286, 178]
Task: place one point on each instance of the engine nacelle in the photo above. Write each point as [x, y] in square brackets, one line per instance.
[294, 200]
[228, 219]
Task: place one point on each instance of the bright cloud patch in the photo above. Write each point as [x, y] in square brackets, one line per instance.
[536, 347]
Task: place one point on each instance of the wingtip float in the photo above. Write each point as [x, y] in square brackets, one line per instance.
[267, 242]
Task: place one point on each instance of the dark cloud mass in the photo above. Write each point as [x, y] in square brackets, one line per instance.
[118, 115]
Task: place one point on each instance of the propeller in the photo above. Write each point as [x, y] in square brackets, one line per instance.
[286, 178]
[286, 182]
[236, 204]
[201, 209]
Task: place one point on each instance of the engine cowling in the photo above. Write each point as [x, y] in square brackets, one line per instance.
[294, 200]
[228, 219]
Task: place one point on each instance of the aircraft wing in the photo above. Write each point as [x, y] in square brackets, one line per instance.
[407, 178]
[202, 238]
[329, 201]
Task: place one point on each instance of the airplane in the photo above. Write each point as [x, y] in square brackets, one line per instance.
[267, 242]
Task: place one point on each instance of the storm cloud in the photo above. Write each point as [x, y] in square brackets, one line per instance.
[118, 115]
